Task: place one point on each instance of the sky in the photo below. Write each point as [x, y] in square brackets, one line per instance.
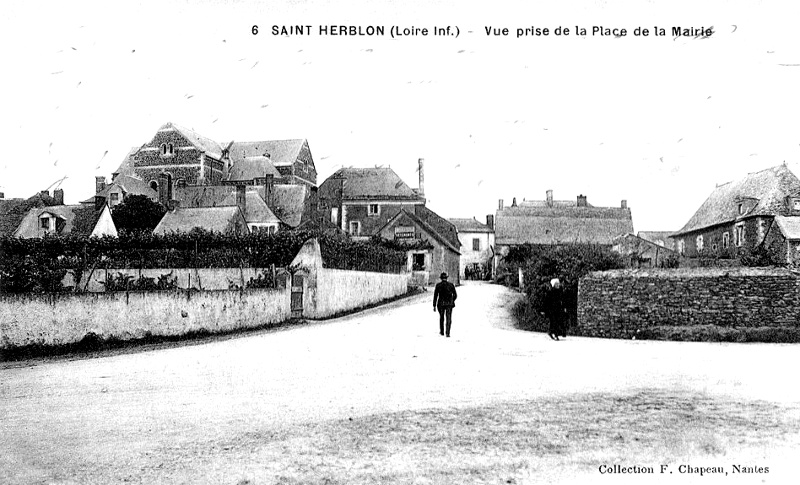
[655, 120]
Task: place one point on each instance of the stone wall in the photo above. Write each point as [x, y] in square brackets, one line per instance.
[625, 303]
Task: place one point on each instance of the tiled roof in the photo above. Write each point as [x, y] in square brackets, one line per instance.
[216, 219]
[556, 203]
[250, 168]
[662, 238]
[560, 225]
[470, 225]
[256, 210]
[766, 189]
[131, 186]
[441, 226]
[13, 211]
[204, 144]
[78, 220]
[203, 195]
[789, 226]
[372, 184]
[288, 202]
[279, 152]
[126, 167]
[425, 220]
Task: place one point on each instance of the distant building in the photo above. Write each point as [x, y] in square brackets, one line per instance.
[477, 247]
[13, 211]
[638, 252]
[365, 202]
[549, 222]
[662, 238]
[62, 220]
[759, 210]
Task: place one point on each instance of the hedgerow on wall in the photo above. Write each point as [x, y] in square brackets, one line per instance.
[39, 265]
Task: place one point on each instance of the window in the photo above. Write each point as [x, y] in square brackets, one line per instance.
[796, 204]
[418, 262]
[272, 229]
[739, 235]
[355, 228]
[681, 246]
[699, 242]
[373, 209]
[44, 223]
[726, 240]
[167, 149]
[154, 185]
[114, 197]
[335, 215]
[741, 209]
[476, 244]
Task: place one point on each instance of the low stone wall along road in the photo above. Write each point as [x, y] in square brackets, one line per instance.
[380, 397]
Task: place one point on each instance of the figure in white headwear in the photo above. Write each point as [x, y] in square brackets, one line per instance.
[554, 310]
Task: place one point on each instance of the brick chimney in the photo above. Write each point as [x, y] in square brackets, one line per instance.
[58, 195]
[421, 168]
[241, 198]
[490, 221]
[500, 204]
[582, 201]
[269, 190]
[99, 184]
[624, 204]
[549, 198]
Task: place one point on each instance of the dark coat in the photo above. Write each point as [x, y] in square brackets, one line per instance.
[444, 296]
[554, 303]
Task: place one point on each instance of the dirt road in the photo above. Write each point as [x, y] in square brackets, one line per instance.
[115, 418]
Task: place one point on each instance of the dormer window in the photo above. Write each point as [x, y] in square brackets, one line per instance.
[796, 204]
[44, 223]
[741, 209]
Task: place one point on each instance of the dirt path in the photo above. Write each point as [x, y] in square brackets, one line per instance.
[99, 420]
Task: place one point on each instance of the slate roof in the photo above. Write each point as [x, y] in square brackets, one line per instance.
[280, 152]
[202, 143]
[444, 228]
[130, 185]
[250, 168]
[288, 202]
[767, 188]
[373, 184]
[662, 238]
[216, 219]
[789, 226]
[13, 211]
[469, 225]
[426, 222]
[126, 167]
[78, 220]
[556, 203]
[561, 225]
[196, 196]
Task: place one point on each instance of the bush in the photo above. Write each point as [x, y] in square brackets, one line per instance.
[568, 263]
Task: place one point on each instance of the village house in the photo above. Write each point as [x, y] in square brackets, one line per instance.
[61, 220]
[13, 211]
[554, 222]
[365, 202]
[759, 210]
[638, 252]
[477, 247]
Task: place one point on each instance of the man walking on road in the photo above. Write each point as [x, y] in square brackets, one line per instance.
[444, 299]
[554, 310]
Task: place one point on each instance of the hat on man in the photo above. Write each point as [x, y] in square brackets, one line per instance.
[443, 276]
[554, 282]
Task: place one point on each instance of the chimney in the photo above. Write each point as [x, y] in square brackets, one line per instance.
[500, 204]
[99, 184]
[58, 194]
[2, 196]
[269, 190]
[624, 204]
[582, 201]
[164, 189]
[514, 202]
[241, 198]
[45, 193]
[490, 221]
[549, 198]
[421, 177]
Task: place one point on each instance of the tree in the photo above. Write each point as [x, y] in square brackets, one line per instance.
[137, 214]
